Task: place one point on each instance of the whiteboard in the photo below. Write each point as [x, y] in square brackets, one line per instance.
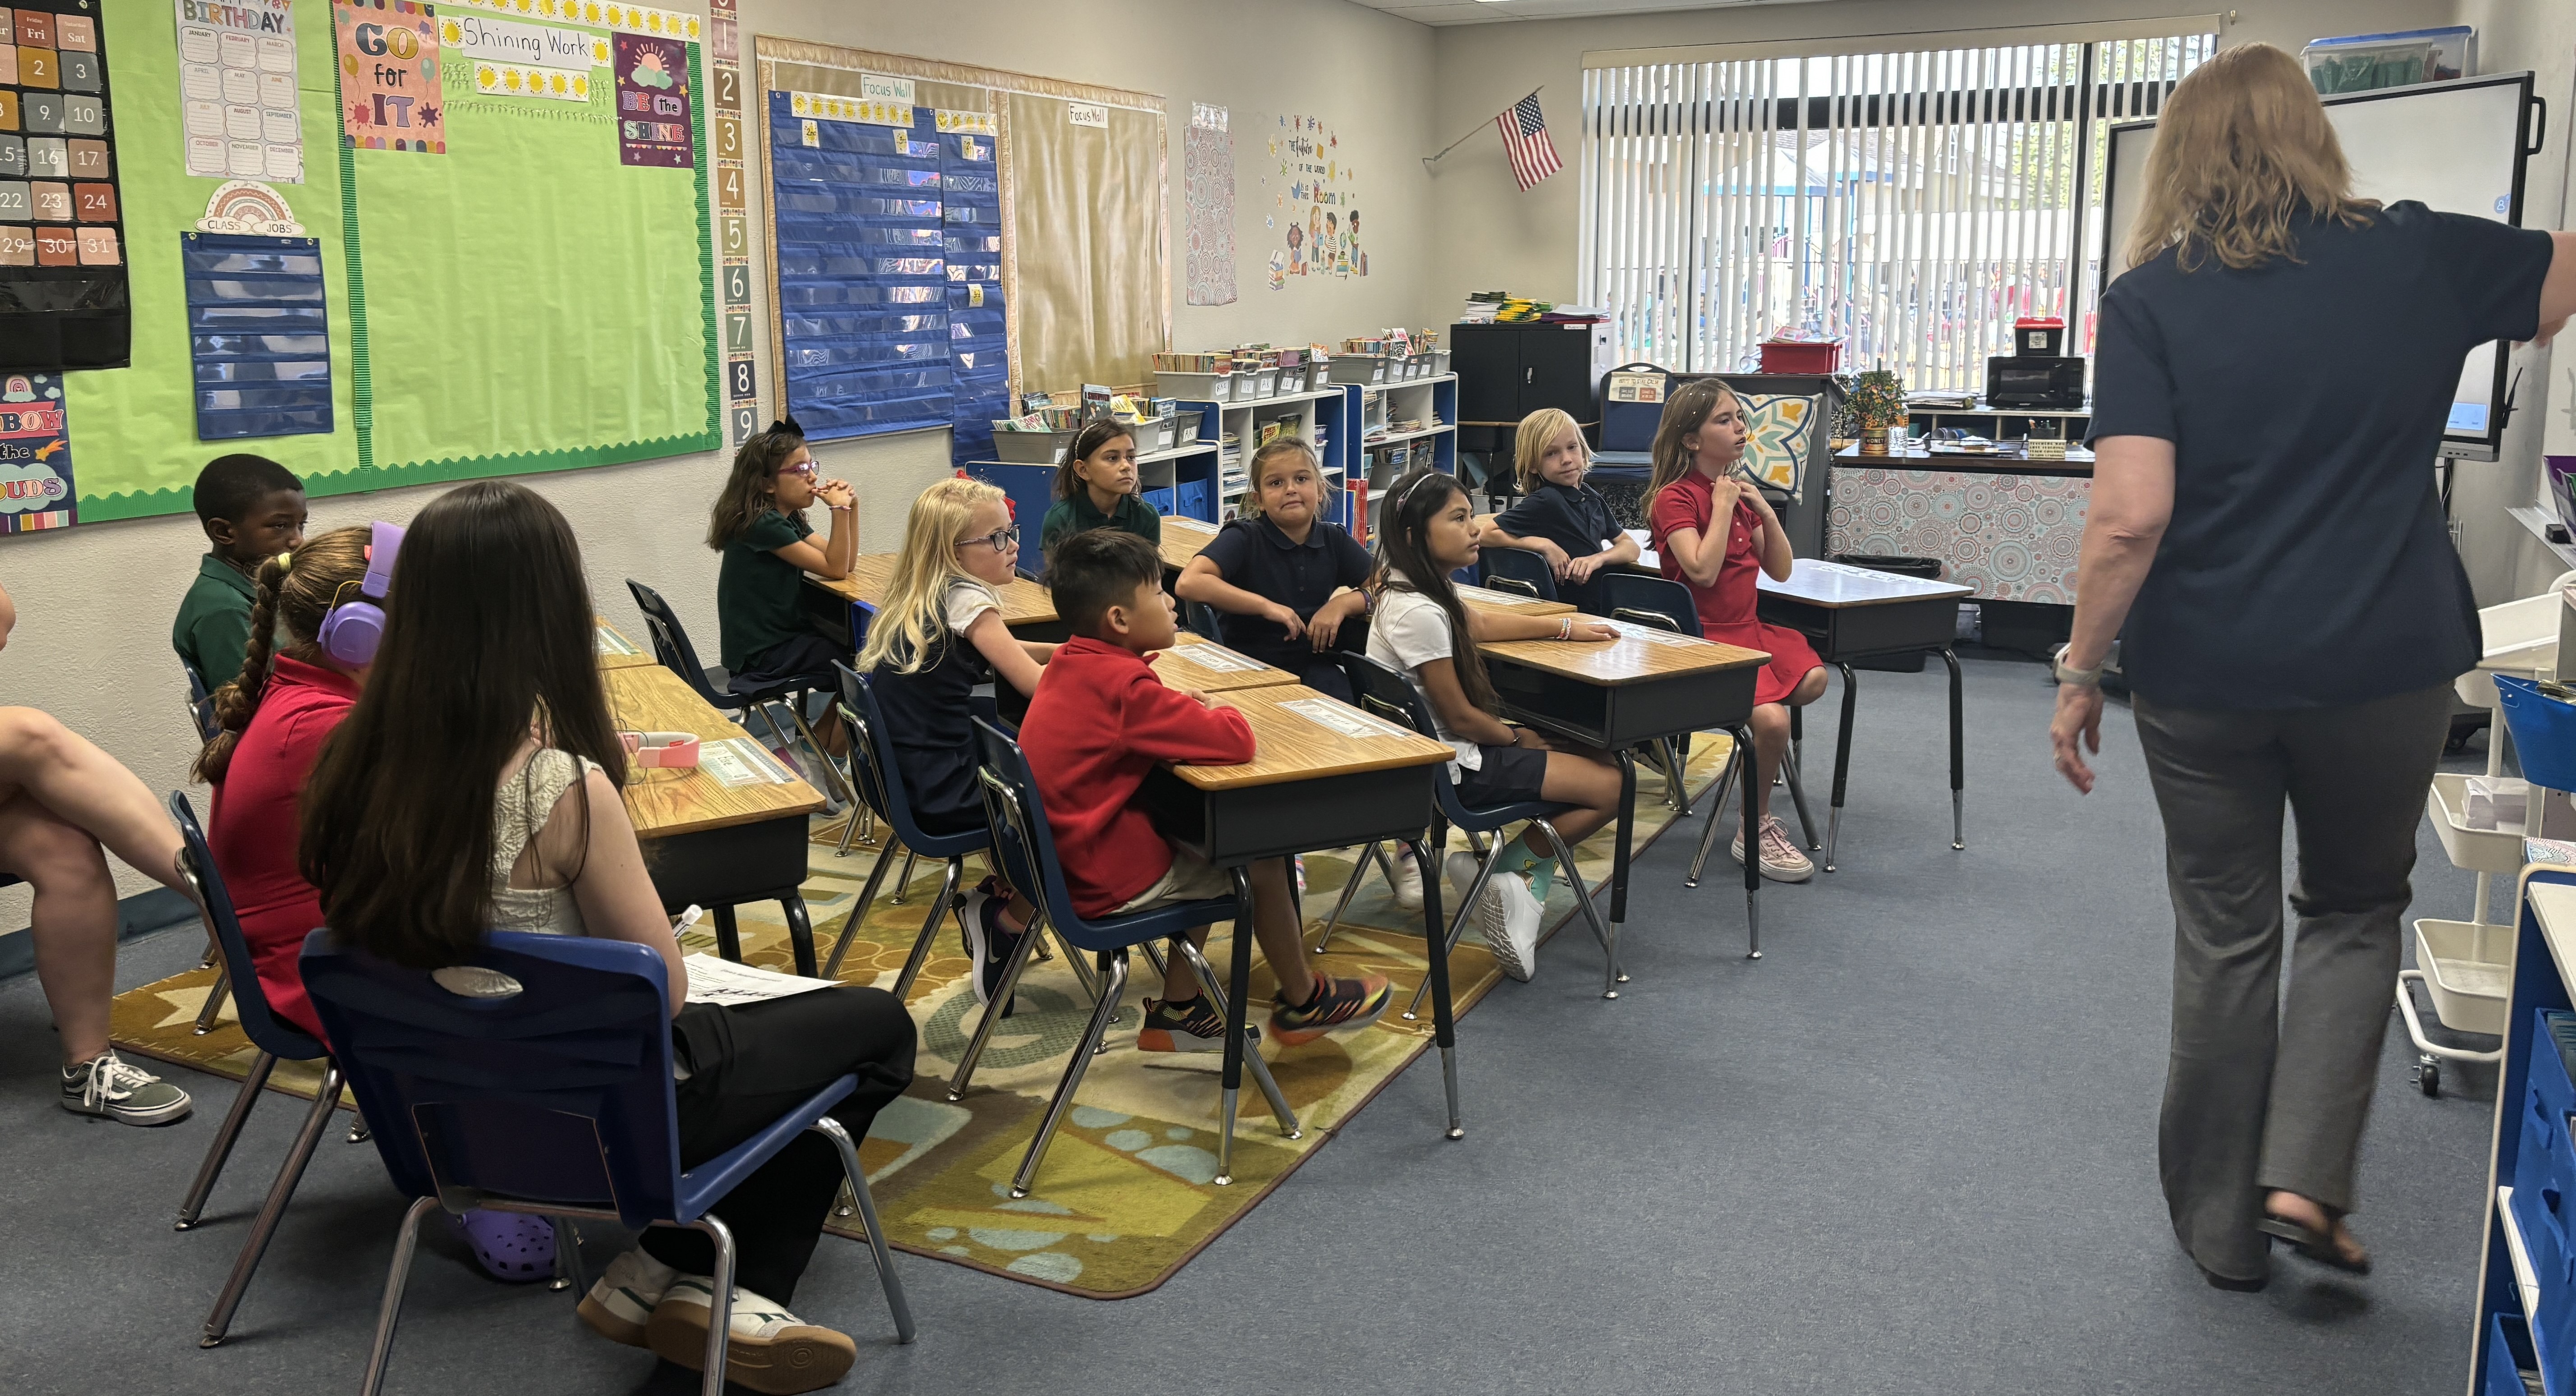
[2456, 147]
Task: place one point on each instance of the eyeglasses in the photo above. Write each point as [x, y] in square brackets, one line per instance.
[1000, 540]
[805, 471]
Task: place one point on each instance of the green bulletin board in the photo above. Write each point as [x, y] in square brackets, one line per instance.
[522, 303]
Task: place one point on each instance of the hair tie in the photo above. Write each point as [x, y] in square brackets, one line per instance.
[286, 561]
[788, 425]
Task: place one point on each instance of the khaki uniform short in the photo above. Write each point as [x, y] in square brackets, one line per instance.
[1191, 879]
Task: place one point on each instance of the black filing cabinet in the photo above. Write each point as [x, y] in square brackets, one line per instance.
[1506, 372]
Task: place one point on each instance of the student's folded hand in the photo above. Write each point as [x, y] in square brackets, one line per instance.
[1281, 615]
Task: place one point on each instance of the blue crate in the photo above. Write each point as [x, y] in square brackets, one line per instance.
[1192, 499]
[2509, 1355]
[2544, 732]
[1161, 499]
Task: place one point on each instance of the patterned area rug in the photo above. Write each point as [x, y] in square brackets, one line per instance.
[1126, 1195]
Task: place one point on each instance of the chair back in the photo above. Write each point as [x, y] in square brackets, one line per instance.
[1382, 691]
[1656, 601]
[266, 1031]
[1202, 620]
[671, 645]
[557, 1089]
[201, 703]
[1026, 846]
[880, 776]
[1511, 569]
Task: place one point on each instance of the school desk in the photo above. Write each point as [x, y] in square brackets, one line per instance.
[707, 844]
[845, 606]
[1488, 599]
[1184, 539]
[1648, 685]
[1196, 664]
[618, 652]
[1329, 776]
[1851, 613]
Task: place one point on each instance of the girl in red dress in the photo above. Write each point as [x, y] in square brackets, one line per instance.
[1697, 446]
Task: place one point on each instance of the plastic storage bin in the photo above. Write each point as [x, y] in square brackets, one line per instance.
[1190, 499]
[2365, 62]
[2544, 731]
[2509, 1355]
[1153, 434]
[1031, 447]
[1800, 356]
[1195, 387]
[1185, 428]
[1357, 368]
[1161, 499]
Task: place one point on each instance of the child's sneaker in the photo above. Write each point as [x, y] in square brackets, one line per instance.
[1508, 917]
[1192, 1025]
[1300, 866]
[989, 944]
[1340, 1005]
[767, 1349]
[620, 1304]
[108, 1088]
[1408, 879]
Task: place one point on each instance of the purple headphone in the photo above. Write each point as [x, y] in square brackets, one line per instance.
[351, 632]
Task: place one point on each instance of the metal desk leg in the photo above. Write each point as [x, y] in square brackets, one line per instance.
[1842, 763]
[728, 938]
[1619, 855]
[1239, 985]
[1444, 1028]
[1958, 755]
[1752, 771]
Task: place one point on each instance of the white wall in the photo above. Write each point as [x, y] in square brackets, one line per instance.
[94, 602]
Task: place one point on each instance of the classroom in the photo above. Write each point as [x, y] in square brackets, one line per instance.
[827, 695]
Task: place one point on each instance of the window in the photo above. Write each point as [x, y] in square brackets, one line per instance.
[1912, 203]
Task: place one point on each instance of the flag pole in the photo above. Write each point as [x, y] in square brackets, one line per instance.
[1429, 160]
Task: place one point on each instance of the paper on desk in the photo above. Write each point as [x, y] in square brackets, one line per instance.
[1654, 634]
[720, 981]
[610, 642]
[1342, 718]
[740, 761]
[1217, 658]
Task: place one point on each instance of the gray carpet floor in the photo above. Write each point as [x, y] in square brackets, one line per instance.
[1912, 1149]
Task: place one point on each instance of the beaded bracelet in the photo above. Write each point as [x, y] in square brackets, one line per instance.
[1565, 628]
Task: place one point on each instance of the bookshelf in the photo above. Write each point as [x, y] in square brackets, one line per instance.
[1319, 415]
[1379, 453]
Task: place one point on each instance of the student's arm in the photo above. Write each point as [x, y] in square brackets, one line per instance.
[1496, 536]
[1770, 540]
[1015, 662]
[1440, 683]
[2558, 292]
[1490, 625]
[1203, 582]
[1169, 725]
[1583, 569]
[832, 560]
[609, 883]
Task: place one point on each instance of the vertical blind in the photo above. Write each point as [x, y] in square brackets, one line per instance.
[1911, 203]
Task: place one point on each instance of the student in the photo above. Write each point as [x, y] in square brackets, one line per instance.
[252, 509]
[61, 799]
[1698, 445]
[1560, 518]
[1095, 487]
[758, 523]
[1099, 722]
[938, 634]
[1430, 533]
[489, 645]
[1284, 581]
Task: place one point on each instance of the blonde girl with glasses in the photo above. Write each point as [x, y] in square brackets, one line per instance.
[938, 635]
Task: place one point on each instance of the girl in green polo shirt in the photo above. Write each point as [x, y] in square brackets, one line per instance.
[1095, 487]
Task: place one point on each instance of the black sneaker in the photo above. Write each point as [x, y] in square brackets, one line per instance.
[110, 1089]
[1340, 1005]
[1192, 1025]
[989, 944]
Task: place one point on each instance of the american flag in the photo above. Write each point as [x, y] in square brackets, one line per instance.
[1524, 130]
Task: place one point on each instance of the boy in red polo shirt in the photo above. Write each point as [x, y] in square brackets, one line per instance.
[1100, 720]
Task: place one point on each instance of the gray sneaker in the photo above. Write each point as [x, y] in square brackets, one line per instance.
[110, 1088]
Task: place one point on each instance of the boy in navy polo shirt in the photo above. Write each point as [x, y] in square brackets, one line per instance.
[1559, 517]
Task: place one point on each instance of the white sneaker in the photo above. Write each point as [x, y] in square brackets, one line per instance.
[1782, 860]
[1408, 879]
[620, 1305]
[1461, 867]
[767, 1349]
[1512, 934]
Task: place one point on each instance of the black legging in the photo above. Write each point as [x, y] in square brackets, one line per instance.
[747, 1067]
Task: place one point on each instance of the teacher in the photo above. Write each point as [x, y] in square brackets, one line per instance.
[2270, 390]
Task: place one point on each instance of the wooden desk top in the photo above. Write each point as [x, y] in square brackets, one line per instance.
[1505, 601]
[1190, 664]
[1024, 602]
[1643, 653]
[1293, 746]
[1835, 585]
[1183, 539]
[618, 652]
[663, 803]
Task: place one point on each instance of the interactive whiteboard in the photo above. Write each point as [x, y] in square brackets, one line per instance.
[2457, 147]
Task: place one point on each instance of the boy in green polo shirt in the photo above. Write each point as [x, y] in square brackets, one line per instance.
[252, 509]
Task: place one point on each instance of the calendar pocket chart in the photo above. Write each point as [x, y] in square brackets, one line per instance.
[64, 298]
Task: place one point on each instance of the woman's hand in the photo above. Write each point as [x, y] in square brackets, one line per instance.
[1280, 615]
[2079, 714]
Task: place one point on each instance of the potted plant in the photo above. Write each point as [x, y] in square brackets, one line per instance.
[1877, 401]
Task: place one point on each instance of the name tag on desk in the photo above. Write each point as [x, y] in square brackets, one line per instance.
[1343, 718]
[740, 761]
[1654, 635]
[1216, 659]
[610, 642]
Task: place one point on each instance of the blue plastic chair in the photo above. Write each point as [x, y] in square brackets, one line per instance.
[1388, 694]
[275, 1039]
[1203, 620]
[1512, 569]
[555, 1099]
[201, 703]
[1028, 853]
[671, 646]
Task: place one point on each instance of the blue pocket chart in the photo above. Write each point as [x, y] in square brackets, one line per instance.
[259, 335]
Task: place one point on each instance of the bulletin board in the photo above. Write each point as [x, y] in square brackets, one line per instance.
[1057, 240]
[522, 301]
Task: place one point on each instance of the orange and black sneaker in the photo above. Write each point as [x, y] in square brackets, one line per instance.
[1339, 1005]
[1190, 1025]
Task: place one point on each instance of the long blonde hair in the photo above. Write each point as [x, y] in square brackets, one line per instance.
[1539, 431]
[913, 619]
[2243, 152]
[1685, 412]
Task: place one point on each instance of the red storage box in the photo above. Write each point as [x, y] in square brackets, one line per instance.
[1801, 356]
[2039, 338]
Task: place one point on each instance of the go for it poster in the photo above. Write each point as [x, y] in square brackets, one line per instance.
[389, 97]
[1314, 216]
[35, 455]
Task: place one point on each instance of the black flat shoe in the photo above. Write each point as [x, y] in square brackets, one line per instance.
[2230, 1282]
[2312, 1244]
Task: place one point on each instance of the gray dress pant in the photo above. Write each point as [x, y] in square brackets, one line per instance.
[2269, 1090]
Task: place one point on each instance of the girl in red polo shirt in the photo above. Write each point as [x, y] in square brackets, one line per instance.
[1693, 489]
